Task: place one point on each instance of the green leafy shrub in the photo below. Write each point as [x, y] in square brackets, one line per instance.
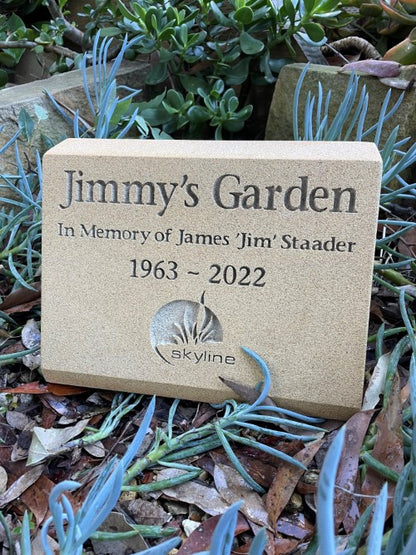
[208, 58]
[14, 29]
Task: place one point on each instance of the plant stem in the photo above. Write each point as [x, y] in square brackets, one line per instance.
[395, 277]
[387, 333]
[143, 530]
[11, 357]
[71, 32]
[159, 452]
[164, 484]
[379, 467]
[391, 287]
[7, 532]
[60, 50]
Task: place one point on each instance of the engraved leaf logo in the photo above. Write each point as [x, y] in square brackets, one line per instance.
[184, 322]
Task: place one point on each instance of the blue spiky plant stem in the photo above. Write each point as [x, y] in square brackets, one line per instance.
[223, 431]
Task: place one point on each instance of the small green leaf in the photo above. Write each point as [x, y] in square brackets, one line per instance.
[327, 6]
[218, 88]
[193, 83]
[198, 114]
[314, 31]
[157, 75]
[233, 125]
[290, 10]
[245, 112]
[155, 116]
[220, 17]
[3, 77]
[47, 141]
[233, 104]
[125, 12]
[183, 33]
[238, 73]
[109, 31]
[170, 109]
[120, 110]
[130, 54]
[165, 55]
[26, 124]
[276, 64]
[172, 15]
[250, 45]
[244, 15]
[166, 33]
[40, 112]
[265, 67]
[370, 10]
[175, 99]
[309, 5]
[14, 23]
[159, 135]
[7, 59]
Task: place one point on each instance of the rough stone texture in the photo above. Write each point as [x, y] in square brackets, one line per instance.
[33, 67]
[167, 256]
[66, 88]
[279, 125]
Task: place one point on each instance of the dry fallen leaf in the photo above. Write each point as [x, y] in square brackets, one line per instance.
[20, 485]
[379, 68]
[48, 442]
[36, 498]
[146, 512]
[232, 487]
[206, 498]
[21, 300]
[200, 539]
[285, 546]
[388, 448]
[247, 393]
[259, 470]
[396, 83]
[189, 526]
[33, 388]
[407, 243]
[286, 478]
[3, 480]
[18, 420]
[355, 430]
[37, 545]
[61, 390]
[376, 385]
[296, 526]
[95, 449]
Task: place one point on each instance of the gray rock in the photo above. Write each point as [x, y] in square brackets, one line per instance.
[66, 88]
[279, 124]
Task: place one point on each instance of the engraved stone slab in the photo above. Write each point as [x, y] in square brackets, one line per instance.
[162, 258]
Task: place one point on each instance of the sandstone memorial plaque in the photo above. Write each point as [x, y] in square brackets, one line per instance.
[162, 258]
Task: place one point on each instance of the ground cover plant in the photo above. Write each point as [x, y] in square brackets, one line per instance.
[153, 474]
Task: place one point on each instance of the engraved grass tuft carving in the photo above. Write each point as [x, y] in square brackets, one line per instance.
[184, 322]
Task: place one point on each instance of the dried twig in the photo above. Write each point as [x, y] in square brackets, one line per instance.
[60, 50]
